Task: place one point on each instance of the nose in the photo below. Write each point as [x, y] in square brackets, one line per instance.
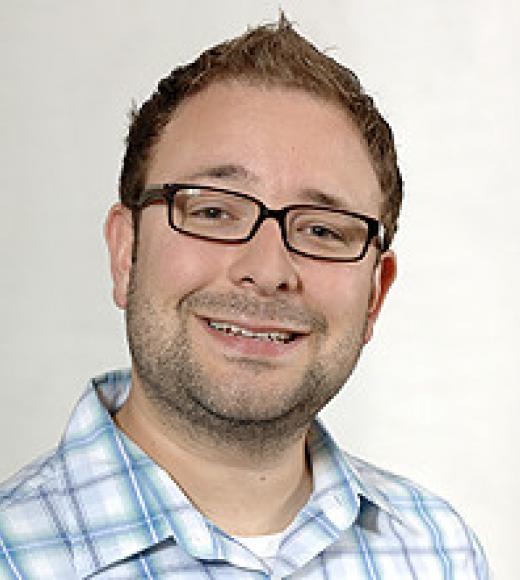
[264, 264]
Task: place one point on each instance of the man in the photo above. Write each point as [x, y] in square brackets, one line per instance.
[259, 197]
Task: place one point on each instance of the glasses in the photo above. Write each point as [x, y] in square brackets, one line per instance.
[221, 215]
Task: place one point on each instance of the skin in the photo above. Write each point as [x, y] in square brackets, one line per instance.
[278, 145]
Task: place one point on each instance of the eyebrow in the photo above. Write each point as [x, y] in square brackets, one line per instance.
[320, 197]
[225, 171]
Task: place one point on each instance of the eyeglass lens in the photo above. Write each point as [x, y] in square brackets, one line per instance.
[225, 216]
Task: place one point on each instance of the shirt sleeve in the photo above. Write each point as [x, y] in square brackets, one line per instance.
[482, 570]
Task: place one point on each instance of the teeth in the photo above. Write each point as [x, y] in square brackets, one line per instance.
[239, 331]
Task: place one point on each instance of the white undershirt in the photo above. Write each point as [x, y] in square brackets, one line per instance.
[264, 547]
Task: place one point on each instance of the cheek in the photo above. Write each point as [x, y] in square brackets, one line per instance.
[172, 265]
[341, 293]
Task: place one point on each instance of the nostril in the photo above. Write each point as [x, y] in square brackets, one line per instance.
[264, 264]
[266, 287]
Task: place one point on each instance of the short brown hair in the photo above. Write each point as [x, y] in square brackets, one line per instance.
[276, 55]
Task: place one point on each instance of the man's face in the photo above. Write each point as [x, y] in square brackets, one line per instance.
[283, 147]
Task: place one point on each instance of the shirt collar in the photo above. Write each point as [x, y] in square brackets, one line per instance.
[124, 503]
[335, 476]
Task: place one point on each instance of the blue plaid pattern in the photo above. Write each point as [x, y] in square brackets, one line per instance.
[98, 507]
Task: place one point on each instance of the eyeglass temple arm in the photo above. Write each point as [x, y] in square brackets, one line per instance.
[150, 195]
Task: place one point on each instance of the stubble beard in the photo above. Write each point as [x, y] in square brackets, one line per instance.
[231, 415]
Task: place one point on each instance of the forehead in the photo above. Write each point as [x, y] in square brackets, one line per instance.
[286, 140]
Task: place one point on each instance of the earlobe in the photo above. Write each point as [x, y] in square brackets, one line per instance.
[119, 237]
[383, 277]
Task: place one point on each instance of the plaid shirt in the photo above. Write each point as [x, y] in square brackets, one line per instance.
[98, 507]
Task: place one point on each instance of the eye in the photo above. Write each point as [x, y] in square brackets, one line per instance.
[323, 232]
[210, 213]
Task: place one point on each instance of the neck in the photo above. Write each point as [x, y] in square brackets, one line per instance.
[244, 494]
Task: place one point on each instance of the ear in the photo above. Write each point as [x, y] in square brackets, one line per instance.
[383, 277]
[119, 236]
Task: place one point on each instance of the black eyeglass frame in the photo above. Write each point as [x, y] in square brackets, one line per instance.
[166, 193]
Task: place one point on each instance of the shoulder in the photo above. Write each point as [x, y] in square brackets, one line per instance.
[401, 492]
[28, 481]
[396, 487]
[430, 521]
[31, 522]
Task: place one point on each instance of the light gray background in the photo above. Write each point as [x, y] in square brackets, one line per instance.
[436, 395]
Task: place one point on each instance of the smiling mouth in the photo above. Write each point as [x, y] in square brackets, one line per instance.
[276, 336]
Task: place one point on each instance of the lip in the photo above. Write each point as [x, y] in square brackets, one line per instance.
[251, 347]
[257, 326]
